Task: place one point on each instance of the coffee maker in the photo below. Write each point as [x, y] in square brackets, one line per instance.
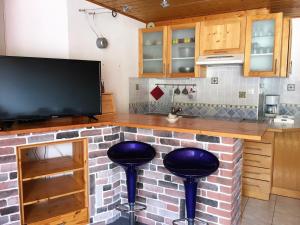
[271, 106]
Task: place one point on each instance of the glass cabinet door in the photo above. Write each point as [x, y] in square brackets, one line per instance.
[152, 52]
[182, 47]
[264, 46]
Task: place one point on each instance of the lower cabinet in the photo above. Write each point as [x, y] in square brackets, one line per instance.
[257, 167]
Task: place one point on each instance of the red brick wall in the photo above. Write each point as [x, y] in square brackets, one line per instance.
[218, 200]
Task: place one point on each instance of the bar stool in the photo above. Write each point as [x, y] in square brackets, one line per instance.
[130, 155]
[191, 164]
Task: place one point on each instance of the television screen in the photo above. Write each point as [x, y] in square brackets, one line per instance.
[37, 88]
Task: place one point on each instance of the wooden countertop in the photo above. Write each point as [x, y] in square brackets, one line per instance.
[211, 127]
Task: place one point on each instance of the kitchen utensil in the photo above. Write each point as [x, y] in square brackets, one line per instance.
[157, 93]
[185, 91]
[186, 69]
[177, 91]
[186, 52]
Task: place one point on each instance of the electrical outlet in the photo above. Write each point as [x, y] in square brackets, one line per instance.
[214, 80]
[291, 87]
[137, 87]
[242, 94]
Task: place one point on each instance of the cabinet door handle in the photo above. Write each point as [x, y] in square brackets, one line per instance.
[164, 69]
[291, 67]
[275, 66]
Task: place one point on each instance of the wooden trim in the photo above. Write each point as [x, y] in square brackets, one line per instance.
[286, 48]
[278, 17]
[212, 17]
[285, 192]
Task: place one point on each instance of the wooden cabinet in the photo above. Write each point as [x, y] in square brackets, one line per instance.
[169, 51]
[286, 176]
[183, 50]
[108, 103]
[53, 190]
[153, 52]
[257, 167]
[263, 45]
[223, 36]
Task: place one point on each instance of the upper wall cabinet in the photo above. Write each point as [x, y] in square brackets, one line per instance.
[263, 45]
[222, 36]
[152, 52]
[169, 51]
[183, 50]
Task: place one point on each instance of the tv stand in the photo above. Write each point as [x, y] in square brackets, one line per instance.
[92, 119]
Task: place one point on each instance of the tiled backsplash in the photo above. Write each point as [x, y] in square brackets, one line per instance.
[215, 96]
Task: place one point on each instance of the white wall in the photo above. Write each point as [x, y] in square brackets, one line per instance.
[37, 28]
[2, 29]
[55, 28]
[119, 60]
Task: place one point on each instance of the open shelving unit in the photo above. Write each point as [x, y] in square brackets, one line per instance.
[54, 190]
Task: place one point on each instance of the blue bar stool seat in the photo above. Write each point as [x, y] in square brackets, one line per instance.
[191, 164]
[130, 155]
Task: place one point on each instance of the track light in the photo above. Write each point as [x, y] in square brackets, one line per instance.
[165, 3]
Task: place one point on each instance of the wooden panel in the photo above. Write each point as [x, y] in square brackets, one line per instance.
[223, 35]
[150, 10]
[258, 161]
[257, 173]
[258, 148]
[42, 168]
[256, 188]
[286, 161]
[67, 210]
[41, 189]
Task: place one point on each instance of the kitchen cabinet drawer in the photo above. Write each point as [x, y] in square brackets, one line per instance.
[79, 217]
[257, 173]
[257, 161]
[258, 148]
[256, 188]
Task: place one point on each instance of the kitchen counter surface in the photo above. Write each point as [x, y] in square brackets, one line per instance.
[211, 127]
[278, 127]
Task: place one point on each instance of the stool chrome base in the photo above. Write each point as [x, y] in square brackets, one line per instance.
[126, 207]
[131, 209]
[190, 222]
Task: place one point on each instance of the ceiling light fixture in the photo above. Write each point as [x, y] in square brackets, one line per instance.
[165, 3]
[125, 8]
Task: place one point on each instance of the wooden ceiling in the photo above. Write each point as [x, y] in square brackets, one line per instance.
[151, 11]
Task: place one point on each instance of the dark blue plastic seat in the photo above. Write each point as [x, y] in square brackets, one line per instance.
[130, 155]
[191, 164]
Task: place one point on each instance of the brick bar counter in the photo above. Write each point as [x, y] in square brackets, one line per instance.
[219, 195]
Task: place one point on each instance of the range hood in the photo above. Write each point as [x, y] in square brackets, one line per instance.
[220, 59]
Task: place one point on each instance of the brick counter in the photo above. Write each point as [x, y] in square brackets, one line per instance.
[219, 195]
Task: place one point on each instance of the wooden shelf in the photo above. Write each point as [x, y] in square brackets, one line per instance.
[46, 189]
[38, 169]
[52, 208]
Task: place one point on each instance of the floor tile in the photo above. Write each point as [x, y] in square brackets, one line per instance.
[258, 212]
[287, 211]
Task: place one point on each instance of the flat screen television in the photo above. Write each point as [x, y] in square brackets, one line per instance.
[41, 88]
